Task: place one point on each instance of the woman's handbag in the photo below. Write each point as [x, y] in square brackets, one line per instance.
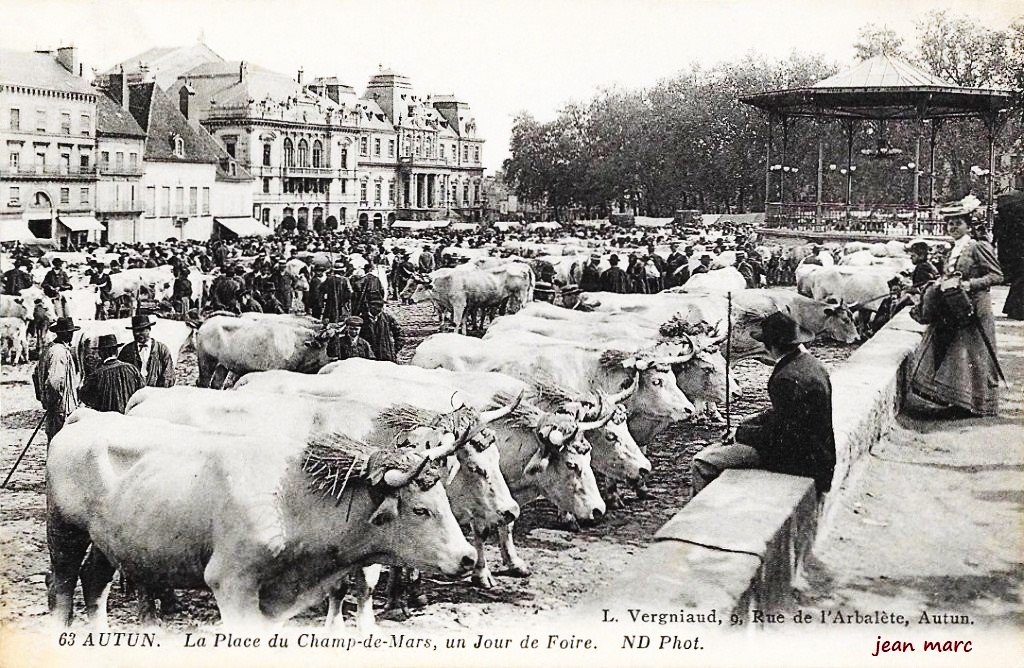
[957, 307]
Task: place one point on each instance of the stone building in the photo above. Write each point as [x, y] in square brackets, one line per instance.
[48, 135]
[120, 151]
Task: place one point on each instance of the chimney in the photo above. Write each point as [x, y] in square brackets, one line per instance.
[299, 77]
[125, 94]
[183, 94]
[67, 56]
[243, 69]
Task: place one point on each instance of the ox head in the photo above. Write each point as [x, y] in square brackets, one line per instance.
[559, 467]
[839, 324]
[615, 452]
[657, 395]
[410, 520]
[424, 290]
[479, 494]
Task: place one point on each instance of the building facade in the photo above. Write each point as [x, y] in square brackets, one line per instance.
[48, 134]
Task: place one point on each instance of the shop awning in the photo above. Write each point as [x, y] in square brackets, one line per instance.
[533, 227]
[412, 225]
[15, 230]
[81, 223]
[464, 227]
[647, 221]
[244, 226]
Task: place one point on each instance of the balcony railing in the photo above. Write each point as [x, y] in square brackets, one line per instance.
[309, 171]
[50, 171]
[134, 206]
[110, 170]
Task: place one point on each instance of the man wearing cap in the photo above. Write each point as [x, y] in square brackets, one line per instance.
[57, 377]
[795, 435]
[349, 343]
[891, 305]
[336, 293]
[112, 384]
[56, 279]
[590, 276]
[677, 269]
[614, 279]
[150, 357]
[381, 331]
[704, 266]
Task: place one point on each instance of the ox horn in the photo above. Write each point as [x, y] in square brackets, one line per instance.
[487, 417]
[684, 357]
[598, 423]
[619, 397]
[398, 479]
[457, 401]
[447, 447]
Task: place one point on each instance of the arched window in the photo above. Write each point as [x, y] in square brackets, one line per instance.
[289, 153]
[317, 154]
[179, 146]
[303, 153]
[266, 154]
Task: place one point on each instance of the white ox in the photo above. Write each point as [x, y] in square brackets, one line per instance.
[656, 402]
[454, 291]
[175, 334]
[239, 345]
[13, 340]
[262, 522]
[130, 281]
[721, 281]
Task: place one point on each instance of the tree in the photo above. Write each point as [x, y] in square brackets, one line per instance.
[961, 50]
[875, 40]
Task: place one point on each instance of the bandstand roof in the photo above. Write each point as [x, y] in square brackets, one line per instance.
[883, 87]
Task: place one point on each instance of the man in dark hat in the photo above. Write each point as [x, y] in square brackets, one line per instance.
[747, 271]
[366, 288]
[381, 331]
[570, 295]
[181, 294]
[150, 357]
[336, 293]
[349, 343]
[18, 278]
[590, 274]
[795, 435]
[614, 279]
[677, 269]
[57, 377]
[891, 305]
[56, 279]
[704, 266]
[112, 384]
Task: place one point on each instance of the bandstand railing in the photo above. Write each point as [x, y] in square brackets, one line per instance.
[896, 220]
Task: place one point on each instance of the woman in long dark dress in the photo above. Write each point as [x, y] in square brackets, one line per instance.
[955, 367]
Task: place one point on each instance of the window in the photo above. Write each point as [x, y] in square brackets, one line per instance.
[15, 194]
[441, 151]
[266, 185]
[83, 162]
[206, 201]
[362, 191]
[65, 163]
[465, 194]
[303, 153]
[83, 196]
[13, 159]
[318, 154]
[179, 147]
[193, 201]
[40, 120]
[41, 157]
[364, 146]
[343, 214]
[289, 153]
[344, 186]
[85, 124]
[233, 168]
[133, 161]
[119, 161]
[229, 146]
[266, 154]
[476, 154]
[476, 193]
[376, 147]
[179, 200]
[391, 148]
[165, 199]
[15, 119]
[65, 195]
[376, 192]
[391, 191]
[344, 160]
[150, 202]
[65, 123]
[465, 153]
[104, 160]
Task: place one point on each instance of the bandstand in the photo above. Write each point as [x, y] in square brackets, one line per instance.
[878, 90]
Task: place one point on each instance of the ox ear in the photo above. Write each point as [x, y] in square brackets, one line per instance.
[538, 463]
[386, 512]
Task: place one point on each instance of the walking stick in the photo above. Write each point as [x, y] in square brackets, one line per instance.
[728, 361]
[24, 450]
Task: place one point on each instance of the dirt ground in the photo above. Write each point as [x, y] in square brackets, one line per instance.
[566, 565]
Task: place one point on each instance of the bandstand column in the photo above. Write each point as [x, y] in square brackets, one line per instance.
[782, 172]
[821, 161]
[768, 167]
[849, 169]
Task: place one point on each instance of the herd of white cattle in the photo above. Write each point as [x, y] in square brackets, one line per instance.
[306, 472]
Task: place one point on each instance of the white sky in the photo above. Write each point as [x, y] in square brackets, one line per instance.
[499, 56]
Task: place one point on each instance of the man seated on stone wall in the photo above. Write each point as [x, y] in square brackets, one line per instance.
[795, 435]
